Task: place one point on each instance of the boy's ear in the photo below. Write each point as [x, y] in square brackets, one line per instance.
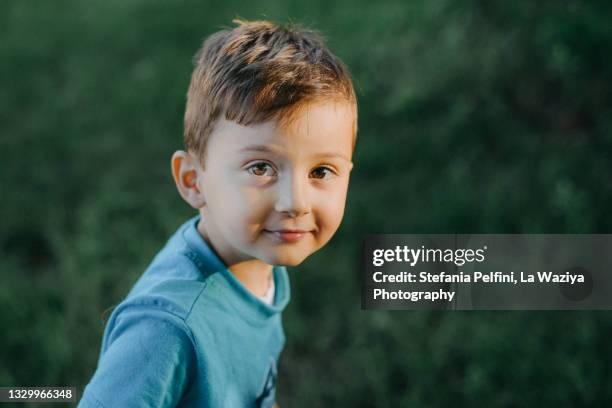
[187, 176]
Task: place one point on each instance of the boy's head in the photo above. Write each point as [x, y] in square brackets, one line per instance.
[270, 126]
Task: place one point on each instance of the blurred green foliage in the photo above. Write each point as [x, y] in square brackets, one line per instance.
[475, 117]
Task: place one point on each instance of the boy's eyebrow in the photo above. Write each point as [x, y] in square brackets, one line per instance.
[334, 155]
[258, 148]
[268, 149]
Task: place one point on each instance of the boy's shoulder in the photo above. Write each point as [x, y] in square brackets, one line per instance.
[177, 276]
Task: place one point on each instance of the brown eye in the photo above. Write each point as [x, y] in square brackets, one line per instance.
[321, 173]
[261, 169]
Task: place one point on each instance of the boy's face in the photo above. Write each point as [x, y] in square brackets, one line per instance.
[277, 193]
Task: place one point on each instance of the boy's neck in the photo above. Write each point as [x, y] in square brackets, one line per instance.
[253, 274]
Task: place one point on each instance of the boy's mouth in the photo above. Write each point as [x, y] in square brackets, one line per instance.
[288, 235]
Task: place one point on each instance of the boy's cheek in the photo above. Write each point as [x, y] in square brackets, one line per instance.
[242, 207]
[334, 208]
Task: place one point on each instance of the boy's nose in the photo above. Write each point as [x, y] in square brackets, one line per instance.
[292, 197]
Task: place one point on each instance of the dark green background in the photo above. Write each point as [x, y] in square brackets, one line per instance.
[475, 117]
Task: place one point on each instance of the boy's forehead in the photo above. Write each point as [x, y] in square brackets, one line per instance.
[326, 112]
[312, 126]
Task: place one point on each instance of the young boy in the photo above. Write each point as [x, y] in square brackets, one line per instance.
[270, 127]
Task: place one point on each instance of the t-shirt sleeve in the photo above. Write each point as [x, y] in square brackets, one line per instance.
[148, 361]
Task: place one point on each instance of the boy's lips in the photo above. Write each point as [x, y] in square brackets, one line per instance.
[288, 235]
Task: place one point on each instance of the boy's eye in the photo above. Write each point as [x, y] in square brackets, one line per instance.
[261, 169]
[321, 173]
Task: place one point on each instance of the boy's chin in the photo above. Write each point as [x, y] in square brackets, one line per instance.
[285, 259]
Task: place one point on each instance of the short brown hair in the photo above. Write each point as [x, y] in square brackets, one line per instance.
[256, 72]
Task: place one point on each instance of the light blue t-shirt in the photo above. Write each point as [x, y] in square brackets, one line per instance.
[189, 334]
